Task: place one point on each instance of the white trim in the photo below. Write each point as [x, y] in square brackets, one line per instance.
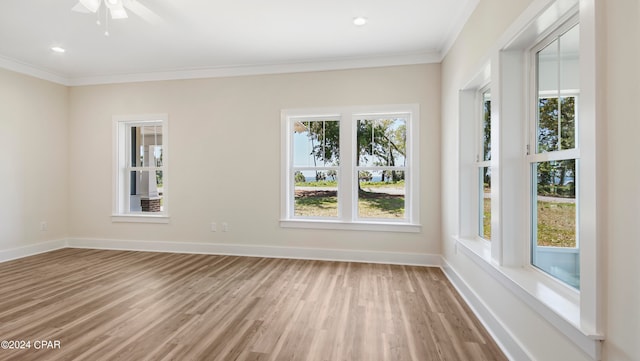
[501, 335]
[414, 259]
[31, 250]
[351, 226]
[554, 302]
[457, 25]
[139, 218]
[228, 70]
[27, 69]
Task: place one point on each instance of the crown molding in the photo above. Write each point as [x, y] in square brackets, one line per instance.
[226, 71]
[456, 27]
[263, 69]
[28, 69]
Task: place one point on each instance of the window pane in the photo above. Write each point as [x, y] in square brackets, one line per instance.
[316, 193]
[569, 86]
[316, 143]
[382, 142]
[146, 146]
[555, 243]
[485, 203]
[146, 191]
[558, 88]
[381, 194]
[486, 126]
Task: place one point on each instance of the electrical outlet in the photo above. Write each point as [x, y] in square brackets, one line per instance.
[225, 227]
[44, 226]
[214, 227]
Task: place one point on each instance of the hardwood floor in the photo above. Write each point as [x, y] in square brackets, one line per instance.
[120, 305]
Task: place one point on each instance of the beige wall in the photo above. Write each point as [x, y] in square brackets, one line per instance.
[33, 160]
[622, 124]
[224, 136]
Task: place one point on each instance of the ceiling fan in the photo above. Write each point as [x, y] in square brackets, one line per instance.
[117, 9]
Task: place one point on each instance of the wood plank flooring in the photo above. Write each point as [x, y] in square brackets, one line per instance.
[121, 305]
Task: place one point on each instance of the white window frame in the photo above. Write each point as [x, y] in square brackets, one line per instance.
[576, 314]
[121, 168]
[534, 156]
[347, 187]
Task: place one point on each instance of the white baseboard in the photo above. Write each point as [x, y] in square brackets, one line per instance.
[507, 343]
[32, 249]
[417, 259]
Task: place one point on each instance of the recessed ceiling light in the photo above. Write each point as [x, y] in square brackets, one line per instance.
[359, 21]
[58, 49]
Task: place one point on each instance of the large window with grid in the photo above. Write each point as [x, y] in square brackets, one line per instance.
[350, 166]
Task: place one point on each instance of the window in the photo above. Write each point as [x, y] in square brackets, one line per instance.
[554, 159]
[141, 168]
[316, 154]
[483, 162]
[350, 168]
[545, 174]
[381, 166]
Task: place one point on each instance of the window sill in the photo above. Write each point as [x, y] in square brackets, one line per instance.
[555, 302]
[351, 226]
[139, 218]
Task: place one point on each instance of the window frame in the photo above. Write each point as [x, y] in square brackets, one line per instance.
[535, 156]
[121, 168]
[347, 218]
[577, 314]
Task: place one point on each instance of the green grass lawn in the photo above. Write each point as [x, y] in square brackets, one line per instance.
[556, 221]
[486, 220]
[316, 204]
[556, 224]
[370, 204]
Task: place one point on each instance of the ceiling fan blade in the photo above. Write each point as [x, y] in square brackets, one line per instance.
[118, 12]
[142, 11]
[79, 8]
[90, 5]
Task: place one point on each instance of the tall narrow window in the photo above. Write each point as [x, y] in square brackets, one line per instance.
[555, 163]
[316, 156]
[484, 166]
[141, 149]
[381, 166]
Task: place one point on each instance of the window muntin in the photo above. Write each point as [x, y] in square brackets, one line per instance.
[141, 173]
[555, 161]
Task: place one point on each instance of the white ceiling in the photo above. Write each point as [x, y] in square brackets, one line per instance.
[200, 38]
